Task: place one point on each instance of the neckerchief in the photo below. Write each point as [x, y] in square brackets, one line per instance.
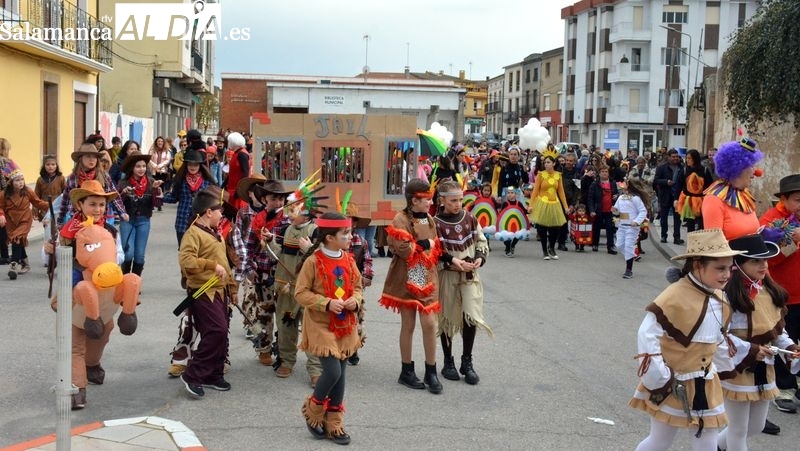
[194, 181]
[740, 199]
[85, 175]
[337, 282]
[139, 186]
[753, 288]
[76, 223]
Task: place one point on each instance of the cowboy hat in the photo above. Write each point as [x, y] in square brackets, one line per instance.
[788, 184]
[247, 183]
[85, 149]
[181, 133]
[90, 188]
[352, 212]
[130, 161]
[194, 156]
[754, 246]
[707, 243]
[270, 187]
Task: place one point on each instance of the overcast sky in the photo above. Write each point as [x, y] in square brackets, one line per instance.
[318, 37]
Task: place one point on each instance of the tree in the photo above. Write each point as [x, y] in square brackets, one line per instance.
[761, 69]
[207, 111]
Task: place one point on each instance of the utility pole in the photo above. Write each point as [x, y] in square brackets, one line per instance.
[366, 56]
[667, 94]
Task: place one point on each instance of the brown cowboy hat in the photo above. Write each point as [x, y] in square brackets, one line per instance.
[90, 188]
[85, 149]
[130, 161]
[788, 184]
[270, 187]
[247, 183]
[352, 212]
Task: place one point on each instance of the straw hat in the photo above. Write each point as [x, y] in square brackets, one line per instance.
[707, 243]
[85, 149]
[754, 246]
[130, 161]
[247, 183]
[90, 188]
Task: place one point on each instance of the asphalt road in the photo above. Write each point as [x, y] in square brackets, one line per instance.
[565, 336]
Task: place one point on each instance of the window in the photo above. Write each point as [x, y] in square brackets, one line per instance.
[561, 66]
[679, 132]
[510, 81]
[589, 63]
[518, 80]
[474, 105]
[559, 99]
[676, 97]
[282, 160]
[535, 74]
[528, 76]
[671, 56]
[547, 102]
[547, 69]
[399, 154]
[633, 100]
[675, 17]
[341, 165]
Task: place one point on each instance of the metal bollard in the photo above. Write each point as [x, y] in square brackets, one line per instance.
[64, 388]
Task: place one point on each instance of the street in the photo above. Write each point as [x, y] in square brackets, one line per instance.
[565, 337]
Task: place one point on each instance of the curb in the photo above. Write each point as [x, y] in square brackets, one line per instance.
[183, 437]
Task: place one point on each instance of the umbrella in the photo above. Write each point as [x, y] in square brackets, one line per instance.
[430, 144]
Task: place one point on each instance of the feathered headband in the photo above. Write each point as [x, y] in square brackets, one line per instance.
[305, 193]
[343, 223]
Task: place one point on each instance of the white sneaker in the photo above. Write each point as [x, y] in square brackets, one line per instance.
[547, 257]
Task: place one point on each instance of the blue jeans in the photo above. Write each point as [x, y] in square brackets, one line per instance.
[134, 238]
[370, 238]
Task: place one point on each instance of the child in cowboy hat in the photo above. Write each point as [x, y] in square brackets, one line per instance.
[192, 177]
[683, 332]
[140, 193]
[87, 168]
[758, 304]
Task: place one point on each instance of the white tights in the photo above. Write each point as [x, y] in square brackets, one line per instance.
[662, 435]
[745, 418]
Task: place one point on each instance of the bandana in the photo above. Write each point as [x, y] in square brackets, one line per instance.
[194, 181]
[84, 176]
[139, 186]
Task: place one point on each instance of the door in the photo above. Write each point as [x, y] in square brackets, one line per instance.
[648, 138]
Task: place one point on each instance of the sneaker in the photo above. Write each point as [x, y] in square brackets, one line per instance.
[553, 256]
[638, 258]
[195, 391]
[628, 275]
[547, 257]
[175, 370]
[220, 385]
[663, 240]
[79, 399]
[354, 359]
[771, 428]
[12, 271]
[563, 247]
[508, 253]
[785, 405]
[248, 334]
[594, 248]
[680, 241]
[23, 268]
[612, 251]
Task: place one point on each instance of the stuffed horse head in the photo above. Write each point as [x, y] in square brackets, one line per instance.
[96, 251]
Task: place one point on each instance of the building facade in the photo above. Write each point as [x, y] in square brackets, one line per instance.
[494, 109]
[157, 79]
[632, 65]
[550, 89]
[50, 78]
[512, 98]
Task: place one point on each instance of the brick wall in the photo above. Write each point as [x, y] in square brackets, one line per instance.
[239, 99]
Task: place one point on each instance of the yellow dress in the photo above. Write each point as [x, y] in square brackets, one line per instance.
[548, 200]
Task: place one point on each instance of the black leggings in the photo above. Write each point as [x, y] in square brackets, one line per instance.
[18, 253]
[548, 237]
[331, 381]
[467, 339]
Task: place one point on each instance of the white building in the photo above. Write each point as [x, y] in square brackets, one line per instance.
[632, 66]
[494, 106]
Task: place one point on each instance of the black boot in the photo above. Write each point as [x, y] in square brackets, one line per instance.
[137, 269]
[449, 371]
[126, 266]
[432, 380]
[470, 376]
[409, 378]
[95, 374]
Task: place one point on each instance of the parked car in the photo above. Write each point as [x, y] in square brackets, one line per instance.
[512, 138]
[474, 139]
[564, 147]
[493, 140]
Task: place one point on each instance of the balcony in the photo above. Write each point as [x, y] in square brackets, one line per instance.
[510, 118]
[627, 31]
[58, 30]
[197, 62]
[623, 114]
[629, 73]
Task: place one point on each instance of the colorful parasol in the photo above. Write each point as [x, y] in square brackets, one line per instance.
[430, 145]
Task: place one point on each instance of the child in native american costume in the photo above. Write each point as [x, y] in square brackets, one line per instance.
[460, 291]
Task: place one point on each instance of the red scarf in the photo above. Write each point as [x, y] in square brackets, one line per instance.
[139, 186]
[194, 181]
[334, 276]
[75, 224]
[85, 175]
[753, 288]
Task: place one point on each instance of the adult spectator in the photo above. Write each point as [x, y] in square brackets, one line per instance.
[116, 147]
[572, 192]
[177, 141]
[665, 184]
[238, 166]
[693, 181]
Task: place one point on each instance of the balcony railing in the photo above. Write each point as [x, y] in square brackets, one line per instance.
[62, 25]
[197, 62]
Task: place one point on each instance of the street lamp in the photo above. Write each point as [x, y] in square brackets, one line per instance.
[689, 63]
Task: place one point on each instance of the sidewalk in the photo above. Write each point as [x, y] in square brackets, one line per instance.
[668, 249]
[144, 433]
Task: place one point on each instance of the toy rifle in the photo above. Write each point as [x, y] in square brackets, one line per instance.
[51, 259]
[189, 300]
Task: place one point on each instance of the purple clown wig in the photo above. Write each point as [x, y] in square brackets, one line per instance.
[734, 157]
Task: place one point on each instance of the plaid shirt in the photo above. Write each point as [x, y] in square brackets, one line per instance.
[67, 208]
[241, 228]
[260, 260]
[184, 204]
[357, 241]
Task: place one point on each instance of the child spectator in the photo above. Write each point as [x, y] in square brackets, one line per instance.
[329, 289]
[461, 288]
[16, 216]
